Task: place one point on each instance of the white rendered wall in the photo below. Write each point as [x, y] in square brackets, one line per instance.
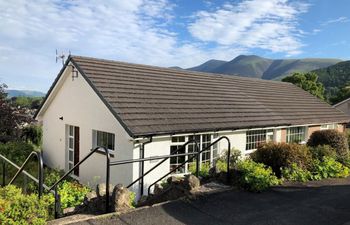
[80, 106]
[277, 135]
[237, 139]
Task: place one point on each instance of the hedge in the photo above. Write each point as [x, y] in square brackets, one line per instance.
[333, 138]
[282, 155]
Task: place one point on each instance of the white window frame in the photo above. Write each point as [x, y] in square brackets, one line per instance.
[329, 126]
[94, 140]
[200, 142]
[206, 143]
[177, 143]
[196, 136]
[302, 134]
[251, 139]
[70, 149]
[215, 148]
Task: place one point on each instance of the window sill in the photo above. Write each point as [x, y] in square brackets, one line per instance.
[247, 152]
[111, 154]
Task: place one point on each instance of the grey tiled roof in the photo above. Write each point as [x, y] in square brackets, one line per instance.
[151, 100]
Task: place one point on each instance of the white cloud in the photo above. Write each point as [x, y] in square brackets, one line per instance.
[265, 24]
[342, 19]
[132, 31]
[316, 31]
[135, 31]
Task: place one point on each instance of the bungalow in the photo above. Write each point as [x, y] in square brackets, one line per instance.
[343, 106]
[96, 102]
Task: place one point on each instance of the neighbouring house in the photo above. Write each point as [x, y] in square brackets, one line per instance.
[96, 102]
[343, 106]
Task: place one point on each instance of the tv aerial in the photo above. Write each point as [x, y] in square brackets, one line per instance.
[61, 56]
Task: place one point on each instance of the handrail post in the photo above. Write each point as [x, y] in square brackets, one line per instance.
[197, 161]
[228, 161]
[107, 178]
[40, 174]
[57, 204]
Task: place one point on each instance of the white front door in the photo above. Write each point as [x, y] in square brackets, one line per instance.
[72, 148]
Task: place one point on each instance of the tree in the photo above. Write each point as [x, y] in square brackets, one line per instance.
[342, 94]
[307, 81]
[11, 118]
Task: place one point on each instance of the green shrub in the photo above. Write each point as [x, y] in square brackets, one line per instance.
[235, 155]
[347, 133]
[203, 171]
[16, 151]
[255, 176]
[72, 194]
[320, 151]
[52, 176]
[333, 138]
[295, 173]
[16, 208]
[132, 201]
[221, 165]
[329, 168]
[33, 134]
[282, 155]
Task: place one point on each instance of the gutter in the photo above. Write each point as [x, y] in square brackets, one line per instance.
[142, 164]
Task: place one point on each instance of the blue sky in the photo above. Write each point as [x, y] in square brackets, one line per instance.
[164, 33]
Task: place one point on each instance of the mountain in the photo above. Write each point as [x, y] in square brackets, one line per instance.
[259, 67]
[288, 66]
[175, 67]
[25, 93]
[334, 77]
[250, 66]
[208, 66]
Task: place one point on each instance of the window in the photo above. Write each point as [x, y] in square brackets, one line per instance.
[70, 147]
[215, 146]
[328, 126]
[256, 137]
[206, 140]
[192, 146]
[203, 141]
[295, 134]
[175, 149]
[104, 139]
[178, 139]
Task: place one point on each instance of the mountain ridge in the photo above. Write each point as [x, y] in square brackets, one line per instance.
[23, 93]
[264, 68]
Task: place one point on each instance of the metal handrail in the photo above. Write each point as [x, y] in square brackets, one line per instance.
[198, 155]
[164, 157]
[39, 180]
[54, 186]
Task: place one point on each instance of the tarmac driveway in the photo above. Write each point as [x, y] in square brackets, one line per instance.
[279, 206]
